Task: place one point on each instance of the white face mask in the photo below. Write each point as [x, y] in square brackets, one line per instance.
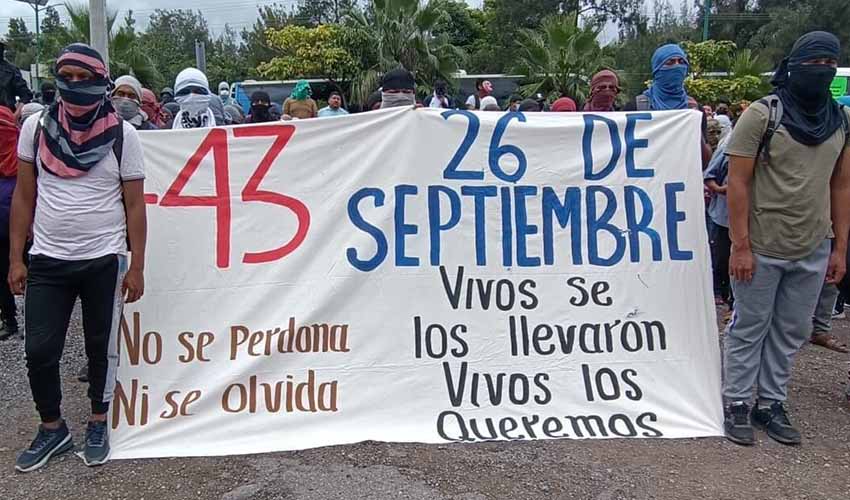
[224, 94]
[194, 104]
[397, 99]
[126, 108]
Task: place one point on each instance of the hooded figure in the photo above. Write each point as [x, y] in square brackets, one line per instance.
[233, 115]
[669, 69]
[224, 93]
[152, 108]
[604, 88]
[809, 112]
[82, 118]
[299, 104]
[48, 93]
[127, 101]
[398, 88]
[169, 111]
[166, 96]
[563, 105]
[192, 93]
[260, 104]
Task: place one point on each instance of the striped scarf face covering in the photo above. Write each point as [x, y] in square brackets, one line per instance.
[79, 130]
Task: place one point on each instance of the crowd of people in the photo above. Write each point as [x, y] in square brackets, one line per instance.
[776, 175]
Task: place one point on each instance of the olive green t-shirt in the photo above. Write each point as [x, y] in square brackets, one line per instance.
[790, 198]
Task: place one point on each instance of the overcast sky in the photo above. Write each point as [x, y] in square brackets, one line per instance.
[237, 13]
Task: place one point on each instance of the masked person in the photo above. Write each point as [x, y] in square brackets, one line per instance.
[192, 93]
[334, 107]
[260, 112]
[48, 93]
[483, 88]
[669, 69]
[169, 111]
[234, 114]
[513, 102]
[398, 88]
[12, 83]
[127, 101]
[299, 104]
[564, 105]
[788, 197]
[152, 108]
[28, 110]
[166, 95]
[604, 89]
[440, 97]
[224, 93]
[88, 167]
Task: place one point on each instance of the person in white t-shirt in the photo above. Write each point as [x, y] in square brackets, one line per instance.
[86, 167]
[483, 88]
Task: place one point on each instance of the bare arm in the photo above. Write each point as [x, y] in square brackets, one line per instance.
[20, 220]
[741, 170]
[839, 188]
[137, 228]
[715, 187]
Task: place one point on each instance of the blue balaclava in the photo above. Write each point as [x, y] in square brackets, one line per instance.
[668, 82]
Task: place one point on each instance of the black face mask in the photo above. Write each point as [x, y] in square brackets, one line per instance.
[810, 82]
[260, 113]
[48, 97]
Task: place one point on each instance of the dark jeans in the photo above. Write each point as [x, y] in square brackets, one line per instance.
[722, 246]
[53, 287]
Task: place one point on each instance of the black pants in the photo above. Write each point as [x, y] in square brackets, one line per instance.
[8, 310]
[52, 289]
[722, 251]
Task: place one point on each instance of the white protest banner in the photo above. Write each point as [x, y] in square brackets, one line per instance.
[411, 275]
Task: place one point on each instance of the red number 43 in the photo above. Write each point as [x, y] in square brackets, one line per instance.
[216, 142]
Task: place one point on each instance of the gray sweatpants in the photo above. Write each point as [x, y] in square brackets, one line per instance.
[772, 320]
[822, 319]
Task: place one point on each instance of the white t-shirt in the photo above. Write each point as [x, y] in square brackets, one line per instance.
[82, 217]
[470, 102]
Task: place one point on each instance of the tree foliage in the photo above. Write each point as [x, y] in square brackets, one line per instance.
[561, 57]
[20, 44]
[326, 51]
[719, 56]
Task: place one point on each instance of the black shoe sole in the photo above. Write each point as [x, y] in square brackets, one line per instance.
[741, 442]
[67, 445]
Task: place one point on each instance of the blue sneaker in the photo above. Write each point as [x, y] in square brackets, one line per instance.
[96, 451]
[47, 443]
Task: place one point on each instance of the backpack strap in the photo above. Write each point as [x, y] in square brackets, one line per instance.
[846, 124]
[642, 103]
[774, 117]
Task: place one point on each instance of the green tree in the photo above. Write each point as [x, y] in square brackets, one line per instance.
[170, 40]
[791, 18]
[316, 12]
[20, 44]
[633, 52]
[720, 56]
[126, 54]
[224, 63]
[402, 34]
[255, 49]
[560, 59]
[54, 35]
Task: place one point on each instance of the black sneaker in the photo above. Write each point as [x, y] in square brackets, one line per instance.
[97, 444]
[47, 443]
[737, 424]
[775, 421]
